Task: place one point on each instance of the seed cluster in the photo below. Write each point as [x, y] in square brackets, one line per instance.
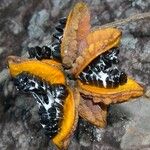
[103, 71]
[53, 51]
[50, 99]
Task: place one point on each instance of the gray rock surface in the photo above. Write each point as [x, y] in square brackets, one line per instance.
[29, 23]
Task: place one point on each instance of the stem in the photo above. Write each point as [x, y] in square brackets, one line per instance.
[124, 21]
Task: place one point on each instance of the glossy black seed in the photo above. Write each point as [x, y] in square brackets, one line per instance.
[114, 72]
[111, 56]
[60, 116]
[81, 76]
[21, 80]
[89, 71]
[60, 27]
[42, 110]
[107, 65]
[94, 81]
[123, 78]
[46, 100]
[44, 116]
[38, 49]
[58, 106]
[116, 50]
[46, 52]
[44, 119]
[100, 83]
[115, 61]
[52, 124]
[57, 35]
[116, 79]
[57, 48]
[41, 84]
[109, 84]
[56, 55]
[98, 68]
[32, 52]
[55, 44]
[40, 53]
[27, 88]
[62, 96]
[50, 133]
[88, 78]
[52, 111]
[63, 20]
[61, 91]
[53, 116]
[116, 82]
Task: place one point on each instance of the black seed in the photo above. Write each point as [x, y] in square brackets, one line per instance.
[44, 121]
[60, 27]
[52, 116]
[116, 82]
[63, 20]
[46, 100]
[51, 133]
[55, 44]
[40, 85]
[60, 116]
[49, 125]
[89, 79]
[32, 52]
[115, 61]
[57, 48]
[86, 77]
[46, 52]
[99, 69]
[52, 112]
[108, 64]
[26, 88]
[100, 83]
[55, 128]
[89, 71]
[62, 96]
[82, 77]
[56, 55]
[57, 35]
[42, 110]
[114, 72]
[61, 89]
[94, 81]
[111, 56]
[59, 106]
[109, 83]
[44, 118]
[123, 78]
[38, 51]
[21, 80]
[116, 50]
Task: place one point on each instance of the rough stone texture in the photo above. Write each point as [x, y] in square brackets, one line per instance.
[28, 23]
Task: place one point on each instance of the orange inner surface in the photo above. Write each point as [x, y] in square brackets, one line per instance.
[40, 69]
[131, 85]
[68, 121]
